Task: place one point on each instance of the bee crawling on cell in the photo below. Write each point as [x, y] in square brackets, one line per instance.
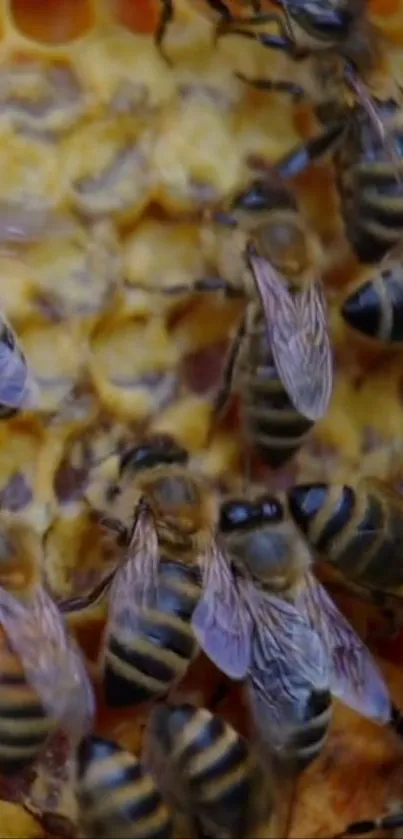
[283, 634]
[280, 360]
[164, 514]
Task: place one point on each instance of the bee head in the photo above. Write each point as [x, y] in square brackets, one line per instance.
[256, 537]
[243, 514]
[158, 450]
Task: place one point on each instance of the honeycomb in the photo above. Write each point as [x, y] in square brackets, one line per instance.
[107, 159]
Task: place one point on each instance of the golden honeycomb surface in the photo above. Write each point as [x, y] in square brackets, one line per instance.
[114, 155]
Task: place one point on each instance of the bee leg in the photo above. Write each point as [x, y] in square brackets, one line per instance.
[166, 17]
[223, 393]
[369, 825]
[202, 286]
[301, 157]
[221, 8]
[257, 19]
[396, 720]
[220, 694]
[294, 90]
[275, 42]
[393, 626]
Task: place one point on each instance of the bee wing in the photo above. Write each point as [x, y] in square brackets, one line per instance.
[376, 119]
[299, 338]
[288, 664]
[87, 599]
[221, 622]
[17, 386]
[51, 659]
[354, 675]
[135, 584]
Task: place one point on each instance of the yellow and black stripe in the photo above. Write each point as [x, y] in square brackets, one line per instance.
[221, 778]
[118, 798]
[24, 723]
[359, 530]
[375, 308]
[163, 645]
[369, 180]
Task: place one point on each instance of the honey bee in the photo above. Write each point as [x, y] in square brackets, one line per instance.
[283, 633]
[358, 530]
[43, 680]
[375, 307]
[218, 778]
[17, 387]
[166, 514]
[117, 795]
[283, 342]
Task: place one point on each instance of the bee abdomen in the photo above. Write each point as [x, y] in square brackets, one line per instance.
[372, 207]
[219, 773]
[24, 724]
[307, 743]
[275, 427]
[382, 568]
[376, 308]
[346, 526]
[159, 653]
[117, 796]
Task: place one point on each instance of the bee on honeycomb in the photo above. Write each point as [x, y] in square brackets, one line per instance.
[111, 160]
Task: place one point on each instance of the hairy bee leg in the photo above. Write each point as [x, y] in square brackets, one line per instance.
[301, 157]
[166, 17]
[360, 828]
[294, 90]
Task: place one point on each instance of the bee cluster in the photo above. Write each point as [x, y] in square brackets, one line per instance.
[117, 510]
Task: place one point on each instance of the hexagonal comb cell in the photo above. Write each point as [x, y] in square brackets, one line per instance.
[51, 22]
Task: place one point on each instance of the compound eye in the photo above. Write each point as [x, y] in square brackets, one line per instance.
[137, 457]
[235, 515]
[156, 451]
[272, 509]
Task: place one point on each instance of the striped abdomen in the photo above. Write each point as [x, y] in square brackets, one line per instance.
[24, 724]
[370, 185]
[356, 529]
[117, 796]
[163, 644]
[309, 738]
[275, 428]
[375, 308]
[222, 784]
